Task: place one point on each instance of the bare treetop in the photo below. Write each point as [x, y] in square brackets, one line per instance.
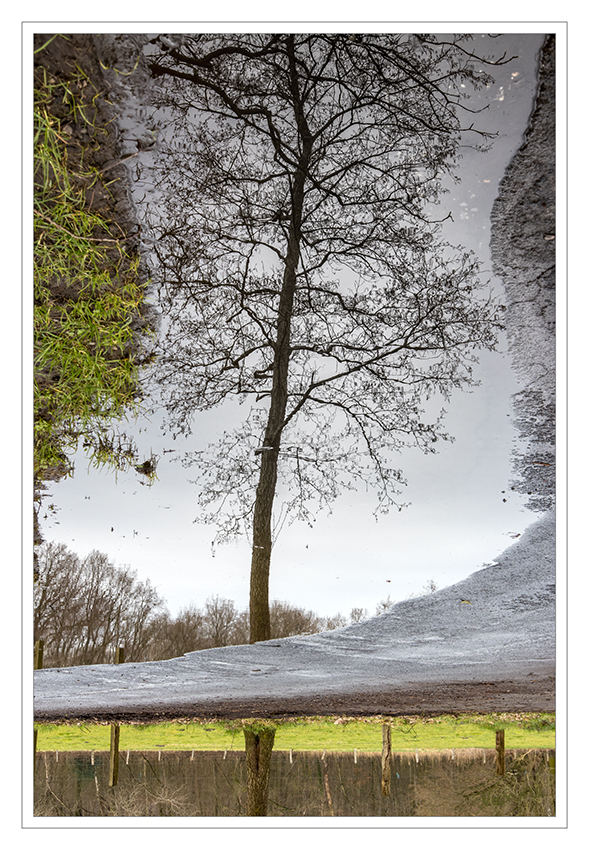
[299, 265]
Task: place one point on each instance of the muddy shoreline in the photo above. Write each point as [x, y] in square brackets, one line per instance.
[535, 694]
[98, 144]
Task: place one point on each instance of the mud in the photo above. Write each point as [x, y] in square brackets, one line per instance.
[424, 699]
[94, 144]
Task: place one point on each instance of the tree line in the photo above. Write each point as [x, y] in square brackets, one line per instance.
[85, 607]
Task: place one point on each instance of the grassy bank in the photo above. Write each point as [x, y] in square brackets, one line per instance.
[88, 294]
[336, 734]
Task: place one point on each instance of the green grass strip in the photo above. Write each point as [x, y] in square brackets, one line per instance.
[529, 731]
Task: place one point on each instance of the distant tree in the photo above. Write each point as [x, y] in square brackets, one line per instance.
[298, 269]
[220, 618]
[219, 623]
[429, 587]
[384, 605]
[188, 631]
[287, 619]
[58, 600]
[158, 641]
[171, 637]
[85, 608]
[358, 614]
[337, 621]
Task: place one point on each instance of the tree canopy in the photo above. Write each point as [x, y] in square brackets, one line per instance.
[301, 268]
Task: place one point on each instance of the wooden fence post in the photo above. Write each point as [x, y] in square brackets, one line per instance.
[38, 662]
[500, 748]
[386, 759]
[115, 732]
[113, 773]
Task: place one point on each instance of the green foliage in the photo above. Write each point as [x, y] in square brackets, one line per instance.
[87, 295]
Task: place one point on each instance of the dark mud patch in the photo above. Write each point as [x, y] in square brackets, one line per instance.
[534, 693]
[93, 139]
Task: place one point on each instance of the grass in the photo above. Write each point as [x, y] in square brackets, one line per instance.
[336, 734]
[86, 285]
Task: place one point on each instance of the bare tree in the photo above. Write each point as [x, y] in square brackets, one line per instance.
[430, 586]
[58, 601]
[219, 623]
[287, 619]
[220, 617]
[384, 605]
[337, 621]
[171, 637]
[188, 632]
[85, 608]
[299, 267]
[358, 614]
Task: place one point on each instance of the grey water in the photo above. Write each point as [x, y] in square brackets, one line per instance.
[457, 492]
[460, 783]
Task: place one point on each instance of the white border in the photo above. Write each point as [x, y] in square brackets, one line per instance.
[375, 25]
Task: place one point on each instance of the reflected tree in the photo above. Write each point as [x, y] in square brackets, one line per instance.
[358, 614]
[301, 268]
[259, 741]
[85, 607]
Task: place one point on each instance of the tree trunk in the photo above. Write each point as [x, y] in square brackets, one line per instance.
[262, 548]
[266, 489]
[258, 752]
[265, 492]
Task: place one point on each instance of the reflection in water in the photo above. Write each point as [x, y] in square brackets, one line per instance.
[462, 783]
[259, 741]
